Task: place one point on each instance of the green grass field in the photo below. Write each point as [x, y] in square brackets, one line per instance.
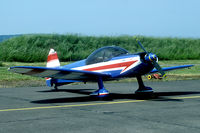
[9, 79]
[35, 48]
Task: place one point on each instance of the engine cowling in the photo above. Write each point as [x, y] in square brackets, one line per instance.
[151, 57]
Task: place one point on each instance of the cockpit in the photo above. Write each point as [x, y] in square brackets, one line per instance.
[105, 54]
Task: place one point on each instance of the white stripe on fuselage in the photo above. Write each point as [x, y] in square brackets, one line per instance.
[112, 62]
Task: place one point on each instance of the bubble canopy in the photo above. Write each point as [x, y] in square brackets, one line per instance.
[104, 54]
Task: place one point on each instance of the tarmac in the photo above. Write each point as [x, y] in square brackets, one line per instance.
[173, 107]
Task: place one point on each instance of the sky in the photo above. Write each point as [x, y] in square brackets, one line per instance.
[156, 18]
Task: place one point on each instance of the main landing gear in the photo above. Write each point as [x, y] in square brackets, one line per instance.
[101, 92]
[55, 86]
[142, 89]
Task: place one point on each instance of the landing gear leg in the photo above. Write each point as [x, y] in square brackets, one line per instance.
[55, 87]
[142, 89]
[101, 92]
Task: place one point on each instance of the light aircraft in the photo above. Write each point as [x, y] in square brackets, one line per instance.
[104, 64]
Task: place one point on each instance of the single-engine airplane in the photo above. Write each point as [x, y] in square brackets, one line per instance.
[104, 64]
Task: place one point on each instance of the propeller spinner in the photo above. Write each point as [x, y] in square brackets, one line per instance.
[150, 57]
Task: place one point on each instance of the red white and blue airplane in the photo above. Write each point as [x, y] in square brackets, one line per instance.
[104, 64]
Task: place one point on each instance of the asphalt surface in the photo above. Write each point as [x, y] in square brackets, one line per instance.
[174, 107]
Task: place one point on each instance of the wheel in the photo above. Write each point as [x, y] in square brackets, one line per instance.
[149, 77]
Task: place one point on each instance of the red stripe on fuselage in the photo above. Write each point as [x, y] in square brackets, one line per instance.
[123, 64]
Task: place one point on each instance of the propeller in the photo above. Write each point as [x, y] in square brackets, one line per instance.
[152, 58]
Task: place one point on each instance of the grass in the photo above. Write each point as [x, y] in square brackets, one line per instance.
[1, 63]
[9, 79]
[34, 48]
[195, 70]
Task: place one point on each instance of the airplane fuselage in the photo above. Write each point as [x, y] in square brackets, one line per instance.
[129, 65]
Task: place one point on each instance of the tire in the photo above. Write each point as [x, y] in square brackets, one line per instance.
[149, 77]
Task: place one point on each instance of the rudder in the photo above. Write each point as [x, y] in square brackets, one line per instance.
[52, 61]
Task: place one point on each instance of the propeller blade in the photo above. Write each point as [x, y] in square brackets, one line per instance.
[142, 46]
[157, 66]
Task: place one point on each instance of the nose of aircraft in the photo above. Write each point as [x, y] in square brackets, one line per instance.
[151, 57]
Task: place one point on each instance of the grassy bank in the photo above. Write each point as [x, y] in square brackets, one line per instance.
[8, 79]
[34, 48]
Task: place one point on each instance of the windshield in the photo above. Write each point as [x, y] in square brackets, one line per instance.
[105, 54]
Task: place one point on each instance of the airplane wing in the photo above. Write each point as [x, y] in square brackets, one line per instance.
[172, 68]
[57, 73]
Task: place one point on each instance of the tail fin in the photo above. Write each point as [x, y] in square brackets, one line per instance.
[52, 60]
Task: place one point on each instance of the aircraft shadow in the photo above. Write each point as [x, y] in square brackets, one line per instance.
[77, 91]
[156, 96]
